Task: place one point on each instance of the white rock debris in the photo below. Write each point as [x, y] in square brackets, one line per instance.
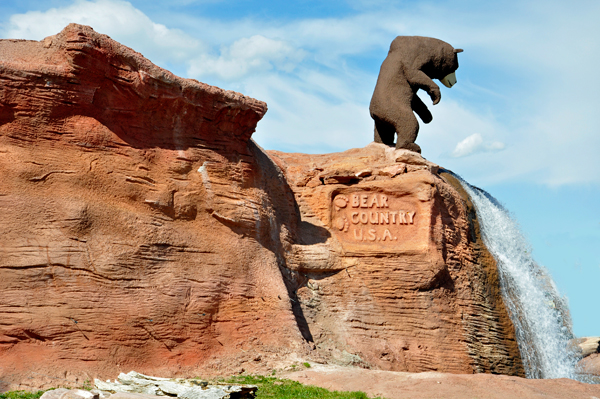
[134, 382]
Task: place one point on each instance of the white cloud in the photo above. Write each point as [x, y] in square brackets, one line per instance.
[256, 54]
[468, 146]
[495, 146]
[474, 143]
[116, 18]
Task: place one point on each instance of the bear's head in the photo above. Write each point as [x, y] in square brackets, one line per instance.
[443, 62]
[436, 58]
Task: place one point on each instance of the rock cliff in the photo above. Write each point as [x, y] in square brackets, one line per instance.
[143, 229]
[399, 275]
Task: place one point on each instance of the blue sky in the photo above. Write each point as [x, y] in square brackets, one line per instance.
[522, 122]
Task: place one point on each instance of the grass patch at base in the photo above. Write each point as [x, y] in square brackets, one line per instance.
[271, 387]
[21, 395]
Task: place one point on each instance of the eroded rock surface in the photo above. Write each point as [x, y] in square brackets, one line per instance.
[390, 267]
[143, 229]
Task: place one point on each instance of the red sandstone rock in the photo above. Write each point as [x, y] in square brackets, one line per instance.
[590, 365]
[390, 268]
[143, 230]
[140, 225]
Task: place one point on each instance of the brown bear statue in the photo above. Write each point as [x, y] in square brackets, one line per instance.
[411, 64]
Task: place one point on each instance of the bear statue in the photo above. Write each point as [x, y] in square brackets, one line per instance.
[411, 64]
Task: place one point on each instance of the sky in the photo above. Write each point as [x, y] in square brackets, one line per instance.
[522, 122]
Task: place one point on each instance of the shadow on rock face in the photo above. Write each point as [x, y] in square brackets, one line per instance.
[310, 234]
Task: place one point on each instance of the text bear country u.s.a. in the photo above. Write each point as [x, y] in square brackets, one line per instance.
[370, 210]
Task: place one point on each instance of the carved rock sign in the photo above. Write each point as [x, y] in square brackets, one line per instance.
[367, 218]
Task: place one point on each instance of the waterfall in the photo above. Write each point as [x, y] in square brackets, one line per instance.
[539, 314]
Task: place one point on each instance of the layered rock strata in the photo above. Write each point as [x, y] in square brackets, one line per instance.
[390, 266]
[143, 229]
[140, 225]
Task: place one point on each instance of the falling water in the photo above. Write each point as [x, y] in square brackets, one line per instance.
[539, 314]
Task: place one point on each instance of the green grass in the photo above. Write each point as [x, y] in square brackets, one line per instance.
[271, 387]
[21, 395]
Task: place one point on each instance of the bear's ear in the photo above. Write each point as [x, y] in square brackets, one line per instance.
[458, 50]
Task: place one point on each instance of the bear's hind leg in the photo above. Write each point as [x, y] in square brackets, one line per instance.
[407, 128]
[384, 132]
